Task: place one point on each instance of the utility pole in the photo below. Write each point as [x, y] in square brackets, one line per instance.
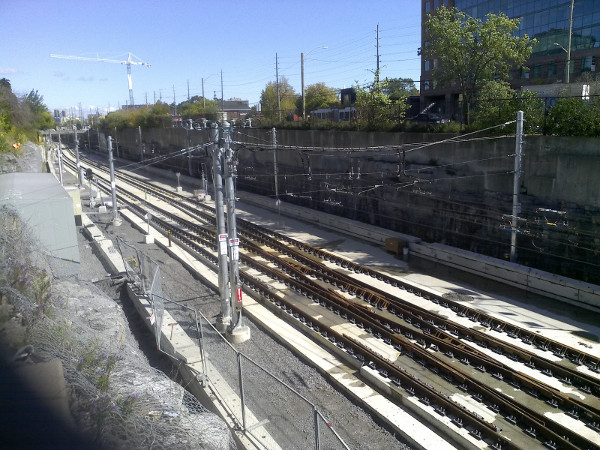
[140, 143]
[302, 80]
[79, 181]
[174, 104]
[188, 83]
[60, 166]
[276, 170]
[516, 206]
[113, 187]
[222, 100]
[217, 154]
[239, 332]
[378, 48]
[277, 79]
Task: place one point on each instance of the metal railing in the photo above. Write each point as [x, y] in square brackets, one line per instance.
[263, 406]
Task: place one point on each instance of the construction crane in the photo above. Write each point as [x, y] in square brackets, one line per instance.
[129, 62]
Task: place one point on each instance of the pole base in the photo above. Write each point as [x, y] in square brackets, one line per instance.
[238, 335]
[117, 222]
[222, 325]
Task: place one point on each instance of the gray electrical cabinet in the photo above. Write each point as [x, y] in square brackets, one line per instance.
[47, 208]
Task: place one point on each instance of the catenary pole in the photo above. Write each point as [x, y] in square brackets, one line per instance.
[140, 144]
[116, 143]
[516, 206]
[239, 332]
[60, 165]
[217, 155]
[113, 186]
[79, 181]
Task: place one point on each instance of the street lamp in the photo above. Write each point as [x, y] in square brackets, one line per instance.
[568, 49]
[302, 76]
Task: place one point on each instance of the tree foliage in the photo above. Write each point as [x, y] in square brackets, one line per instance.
[468, 52]
[287, 99]
[318, 96]
[21, 116]
[574, 117]
[198, 107]
[398, 88]
[498, 103]
[157, 116]
[375, 109]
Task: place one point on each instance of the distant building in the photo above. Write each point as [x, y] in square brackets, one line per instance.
[546, 21]
[235, 109]
[348, 96]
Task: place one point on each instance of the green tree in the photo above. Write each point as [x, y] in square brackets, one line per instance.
[44, 121]
[157, 116]
[198, 107]
[20, 116]
[574, 117]
[467, 52]
[498, 103]
[317, 96]
[287, 100]
[375, 109]
[35, 102]
[398, 88]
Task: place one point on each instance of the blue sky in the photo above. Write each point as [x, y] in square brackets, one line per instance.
[187, 40]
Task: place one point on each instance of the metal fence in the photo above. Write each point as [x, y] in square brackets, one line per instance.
[145, 273]
[265, 407]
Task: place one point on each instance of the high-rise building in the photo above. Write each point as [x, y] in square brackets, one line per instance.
[549, 22]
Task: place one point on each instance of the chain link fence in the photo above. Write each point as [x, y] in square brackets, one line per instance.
[277, 416]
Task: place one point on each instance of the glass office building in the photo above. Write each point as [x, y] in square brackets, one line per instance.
[548, 22]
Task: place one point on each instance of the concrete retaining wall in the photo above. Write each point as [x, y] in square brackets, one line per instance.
[583, 295]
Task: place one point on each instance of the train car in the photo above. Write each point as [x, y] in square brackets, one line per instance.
[346, 114]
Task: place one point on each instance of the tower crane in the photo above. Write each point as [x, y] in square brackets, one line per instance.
[129, 62]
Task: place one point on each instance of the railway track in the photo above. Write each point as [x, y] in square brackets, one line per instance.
[461, 356]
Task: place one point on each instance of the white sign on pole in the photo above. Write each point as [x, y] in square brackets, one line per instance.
[222, 244]
[235, 249]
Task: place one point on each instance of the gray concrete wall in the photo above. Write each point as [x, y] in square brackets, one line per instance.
[453, 193]
[556, 169]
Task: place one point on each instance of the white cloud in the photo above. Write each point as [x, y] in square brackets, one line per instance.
[8, 70]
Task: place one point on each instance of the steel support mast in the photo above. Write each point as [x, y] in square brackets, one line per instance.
[516, 206]
[224, 321]
[113, 187]
[239, 332]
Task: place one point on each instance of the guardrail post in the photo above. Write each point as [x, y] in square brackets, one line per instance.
[242, 402]
[316, 417]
